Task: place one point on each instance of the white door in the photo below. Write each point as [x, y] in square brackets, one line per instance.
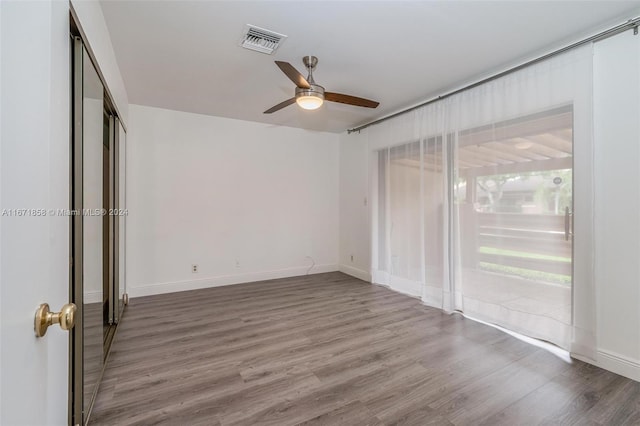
[34, 174]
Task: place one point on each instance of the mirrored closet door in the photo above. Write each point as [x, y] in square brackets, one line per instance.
[97, 285]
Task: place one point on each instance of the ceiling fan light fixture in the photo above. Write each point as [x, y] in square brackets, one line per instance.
[310, 99]
[309, 102]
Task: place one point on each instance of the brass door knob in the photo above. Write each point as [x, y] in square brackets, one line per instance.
[45, 318]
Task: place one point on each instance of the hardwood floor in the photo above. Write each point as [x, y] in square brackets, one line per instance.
[329, 349]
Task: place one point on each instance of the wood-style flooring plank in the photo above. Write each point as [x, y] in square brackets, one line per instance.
[329, 349]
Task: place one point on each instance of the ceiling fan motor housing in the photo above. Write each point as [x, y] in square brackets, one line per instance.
[310, 62]
[315, 91]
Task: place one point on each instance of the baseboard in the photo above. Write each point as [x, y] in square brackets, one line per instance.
[616, 363]
[176, 286]
[619, 364]
[355, 272]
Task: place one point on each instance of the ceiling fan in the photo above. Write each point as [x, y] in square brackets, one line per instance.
[310, 95]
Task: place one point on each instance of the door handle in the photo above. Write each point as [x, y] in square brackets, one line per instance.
[567, 224]
[45, 318]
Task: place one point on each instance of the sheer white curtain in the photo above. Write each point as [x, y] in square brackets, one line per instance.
[479, 196]
[410, 190]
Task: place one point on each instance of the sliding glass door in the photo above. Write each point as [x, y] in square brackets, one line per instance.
[514, 201]
[480, 220]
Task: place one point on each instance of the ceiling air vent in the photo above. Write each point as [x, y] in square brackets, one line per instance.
[261, 40]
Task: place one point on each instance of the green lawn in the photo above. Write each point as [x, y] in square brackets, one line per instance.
[527, 274]
[504, 252]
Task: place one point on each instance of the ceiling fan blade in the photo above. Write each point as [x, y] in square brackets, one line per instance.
[350, 100]
[280, 106]
[293, 74]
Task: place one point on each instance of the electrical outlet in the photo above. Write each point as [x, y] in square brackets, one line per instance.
[194, 268]
[237, 263]
[351, 258]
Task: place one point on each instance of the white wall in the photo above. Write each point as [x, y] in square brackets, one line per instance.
[244, 201]
[617, 190]
[34, 173]
[98, 39]
[355, 220]
[617, 194]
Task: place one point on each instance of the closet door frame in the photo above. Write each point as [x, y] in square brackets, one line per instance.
[78, 411]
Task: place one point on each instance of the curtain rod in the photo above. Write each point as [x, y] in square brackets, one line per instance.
[630, 24]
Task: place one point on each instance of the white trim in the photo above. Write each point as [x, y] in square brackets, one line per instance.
[616, 363]
[176, 286]
[355, 272]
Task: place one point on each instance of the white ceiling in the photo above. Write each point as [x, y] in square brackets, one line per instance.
[185, 55]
